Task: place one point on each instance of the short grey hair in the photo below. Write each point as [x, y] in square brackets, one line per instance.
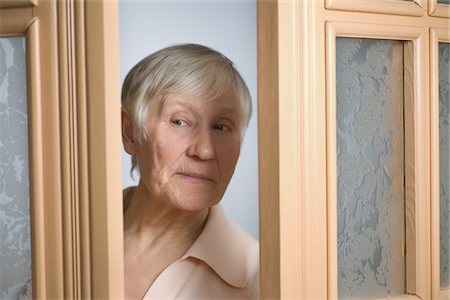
[181, 69]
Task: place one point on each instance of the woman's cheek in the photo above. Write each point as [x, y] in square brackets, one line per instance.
[230, 152]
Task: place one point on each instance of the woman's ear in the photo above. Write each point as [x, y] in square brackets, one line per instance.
[129, 143]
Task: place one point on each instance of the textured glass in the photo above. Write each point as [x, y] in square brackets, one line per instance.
[15, 256]
[444, 167]
[370, 168]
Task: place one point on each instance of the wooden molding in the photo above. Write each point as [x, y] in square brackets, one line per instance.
[292, 74]
[68, 120]
[291, 142]
[393, 7]
[379, 31]
[410, 181]
[104, 148]
[37, 24]
[419, 247]
[292, 248]
[52, 282]
[90, 149]
[17, 3]
[435, 215]
[444, 294]
[74, 137]
[436, 9]
[37, 208]
[268, 156]
[331, 161]
[26, 22]
[437, 35]
[82, 149]
[303, 92]
[15, 22]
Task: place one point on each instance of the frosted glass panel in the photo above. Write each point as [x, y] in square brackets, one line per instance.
[444, 167]
[15, 256]
[370, 161]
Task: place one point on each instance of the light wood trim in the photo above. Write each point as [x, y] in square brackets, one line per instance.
[82, 149]
[104, 146]
[438, 9]
[15, 21]
[309, 76]
[292, 143]
[90, 237]
[46, 14]
[292, 139]
[309, 46]
[394, 7]
[37, 212]
[292, 247]
[435, 215]
[436, 35]
[331, 161]
[409, 169]
[440, 35]
[268, 156]
[403, 297]
[424, 21]
[75, 184]
[379, 31]
[25, 23]
[21, 22]
[422, 165]
[444, 294]
[419, 37]
[17, 3]
[67, 118]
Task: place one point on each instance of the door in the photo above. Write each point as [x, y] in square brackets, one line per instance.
[66, 53]
[353, 160]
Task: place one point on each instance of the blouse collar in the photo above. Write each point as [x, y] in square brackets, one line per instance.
[222, 247]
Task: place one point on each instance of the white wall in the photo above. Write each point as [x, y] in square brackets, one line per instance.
[226, 26]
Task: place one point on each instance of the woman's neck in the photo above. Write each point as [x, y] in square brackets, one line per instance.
[152, 225]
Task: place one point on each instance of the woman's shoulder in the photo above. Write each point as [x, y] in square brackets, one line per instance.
[252, 261]
[250, 251]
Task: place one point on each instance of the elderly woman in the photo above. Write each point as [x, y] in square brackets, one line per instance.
[185, 111]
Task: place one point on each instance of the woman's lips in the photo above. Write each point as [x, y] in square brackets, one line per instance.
[195, 176]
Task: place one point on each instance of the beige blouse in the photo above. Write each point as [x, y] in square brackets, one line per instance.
[223, 263]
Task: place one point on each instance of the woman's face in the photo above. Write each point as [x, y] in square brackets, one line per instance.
[191, 151]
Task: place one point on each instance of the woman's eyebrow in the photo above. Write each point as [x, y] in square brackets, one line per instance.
[229, 111]
[175, 102]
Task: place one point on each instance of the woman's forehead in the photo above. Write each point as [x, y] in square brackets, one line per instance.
[224, 102]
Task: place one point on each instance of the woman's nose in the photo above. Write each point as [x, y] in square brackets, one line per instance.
[201, 146]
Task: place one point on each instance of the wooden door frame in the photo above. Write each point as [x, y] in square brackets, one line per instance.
[74, 138]
[76, 202]
[296, 173]
[437, 35]
[293, 263]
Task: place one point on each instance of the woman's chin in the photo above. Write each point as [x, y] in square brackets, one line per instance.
[193, 196]
[194, 203]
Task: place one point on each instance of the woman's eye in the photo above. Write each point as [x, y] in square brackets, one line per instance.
[221, 127]
[179, 123]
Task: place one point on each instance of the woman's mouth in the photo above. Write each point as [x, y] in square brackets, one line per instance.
[195, 176]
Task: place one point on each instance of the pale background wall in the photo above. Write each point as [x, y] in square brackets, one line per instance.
[226, 26]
